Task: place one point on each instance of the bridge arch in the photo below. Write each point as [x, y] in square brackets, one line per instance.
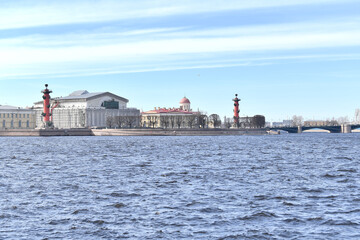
[316, 130]
[331, 129]
[355, 127]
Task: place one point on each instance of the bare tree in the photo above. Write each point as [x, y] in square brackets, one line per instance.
[119, 121]
[202, 120]
[297, 121]
[141, 121]
[227, 122]
[110, 122]
[343, 120]
[179, 121]
[164, 121]
[215, 120]
[258, 121]
[130, 121]
[153, 120]
[331, 122]
[172, 120]
[357, 115]
[245, 122]
[190, 120]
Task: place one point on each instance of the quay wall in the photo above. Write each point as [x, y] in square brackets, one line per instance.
[44, 132]
[128, 132]
[179, 132]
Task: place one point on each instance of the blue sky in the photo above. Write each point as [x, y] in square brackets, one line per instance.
[282, 57]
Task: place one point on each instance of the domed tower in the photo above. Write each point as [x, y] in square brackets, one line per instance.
[185, 104]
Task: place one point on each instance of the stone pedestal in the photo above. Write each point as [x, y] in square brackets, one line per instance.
[345, 128]
[299, 129]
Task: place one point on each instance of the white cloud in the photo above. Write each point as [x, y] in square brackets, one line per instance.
[151, 49]
[17, 14]
[136, 51]
[118, 36]
[71, 70]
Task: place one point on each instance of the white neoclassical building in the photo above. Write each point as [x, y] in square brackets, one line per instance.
[82, 109]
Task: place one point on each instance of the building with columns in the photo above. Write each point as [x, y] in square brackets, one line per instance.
[181, 117]
[82, 109]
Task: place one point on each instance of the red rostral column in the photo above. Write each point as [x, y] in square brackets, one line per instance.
[46, 114]
[236, 110]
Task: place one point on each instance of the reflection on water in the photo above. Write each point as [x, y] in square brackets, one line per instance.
[227, 187]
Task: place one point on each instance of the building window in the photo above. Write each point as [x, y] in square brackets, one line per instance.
[110, 104]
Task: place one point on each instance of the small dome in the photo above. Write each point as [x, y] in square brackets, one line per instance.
[184, 100]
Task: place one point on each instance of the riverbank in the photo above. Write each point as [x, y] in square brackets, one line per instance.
[128, 132]
[176, 132]
[45, 132]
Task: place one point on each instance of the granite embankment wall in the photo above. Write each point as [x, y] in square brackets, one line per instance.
[172, 132]
[43, 132]
[129, 132]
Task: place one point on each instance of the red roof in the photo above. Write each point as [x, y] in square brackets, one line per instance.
[168, 110]
[184, 100]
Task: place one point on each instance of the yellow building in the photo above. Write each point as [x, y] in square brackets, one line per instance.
[182, 117]
[16, 118]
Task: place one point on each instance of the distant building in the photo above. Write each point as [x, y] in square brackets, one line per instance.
[16, 118]
[284, 123]
[277, 124]
[288, 123]
[82, 109]
[182, 117]
[314, 123]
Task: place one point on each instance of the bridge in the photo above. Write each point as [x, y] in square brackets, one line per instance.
[344, 128]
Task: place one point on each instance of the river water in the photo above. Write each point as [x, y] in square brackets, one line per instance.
[295, 186]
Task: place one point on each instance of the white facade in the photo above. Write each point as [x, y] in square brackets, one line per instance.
[84, 118]
[82, 109]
